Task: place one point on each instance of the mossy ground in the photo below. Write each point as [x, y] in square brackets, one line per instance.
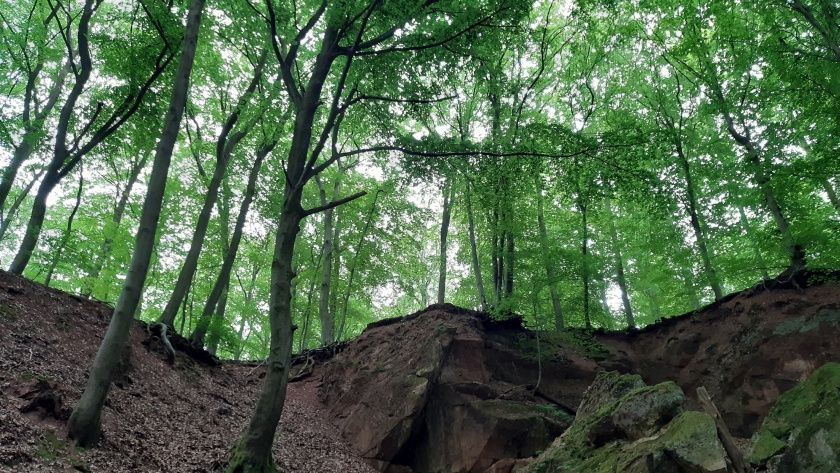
[802, 431]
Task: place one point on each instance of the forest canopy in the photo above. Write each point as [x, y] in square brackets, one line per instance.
[270, 176]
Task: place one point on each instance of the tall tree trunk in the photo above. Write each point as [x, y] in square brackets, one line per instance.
[252, 453]
[223, 279]
[619, 268]
[7, 219]
[218, 319]
[584, 251]
[476, 262]
[696, 225]
[744, 222]
[550, 271]
[355, 263]
[448, 192]
[33, 132]
[65, 158]
[795, 251]
[111, 229]
[324, 313]
[226, 143]
[509, 264]
[84, 424]
[56, 257]
[832, 194]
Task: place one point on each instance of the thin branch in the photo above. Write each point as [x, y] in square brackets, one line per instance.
[334, 204]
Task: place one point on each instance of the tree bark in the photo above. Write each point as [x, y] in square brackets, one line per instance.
[56, 257]
[324, 313]
[476, 262]
[550, 270]
[33, 131]
[64, 158]
[619, 269]
[696, 225]
[225, 145]
[7, 220]
[744, 222]
[584, 251]
[448, 192]
[84, 424]
[252, 453]
[110, 230]
[832, 194]
[214, 300]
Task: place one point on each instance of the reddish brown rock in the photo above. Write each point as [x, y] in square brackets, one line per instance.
[449, 390]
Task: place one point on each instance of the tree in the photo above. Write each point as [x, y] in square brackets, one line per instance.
[84, 424]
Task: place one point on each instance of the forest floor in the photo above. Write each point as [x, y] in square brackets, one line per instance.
[158, 418]
[746, 349]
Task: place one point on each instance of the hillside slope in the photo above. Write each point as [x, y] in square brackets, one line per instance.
[158, 418]
[442, 390]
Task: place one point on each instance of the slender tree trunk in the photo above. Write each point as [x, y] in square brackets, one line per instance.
[355, 263]
[324, 313]
[832, 194]
[218, 319]
[584, 250]
[252, 453]
[619, 268]
[744, 222]
[550, 271]
[84, 424]
[223, 279]
[225, 145]
[690, 290]
[56, 257]
[448, 192]
[509, 264]
[33, 129]
[476, 262]
[696, 225]
[111, 229]
[36, 220]
[7, 220]
[22, 152]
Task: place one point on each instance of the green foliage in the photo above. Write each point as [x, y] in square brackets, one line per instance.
[608, 110]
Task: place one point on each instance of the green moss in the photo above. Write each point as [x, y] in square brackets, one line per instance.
[799, 405]
[7, 313]
[50, 447]
[765, 445]
[801, 325]
[802, 432]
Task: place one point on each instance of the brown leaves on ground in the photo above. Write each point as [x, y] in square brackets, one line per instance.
[158, 418]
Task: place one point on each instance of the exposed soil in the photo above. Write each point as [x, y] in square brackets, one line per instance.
[442, 390]
[158, 417]
[746, 350]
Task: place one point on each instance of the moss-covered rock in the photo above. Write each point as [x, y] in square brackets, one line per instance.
[628, 427]
[802, 432]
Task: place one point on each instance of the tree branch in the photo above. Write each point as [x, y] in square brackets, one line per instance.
[334, 204]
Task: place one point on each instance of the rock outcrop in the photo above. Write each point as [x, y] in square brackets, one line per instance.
[802, 432]
[626, 426]
[449, 390]
[746, 350]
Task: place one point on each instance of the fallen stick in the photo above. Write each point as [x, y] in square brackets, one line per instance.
[732, 450]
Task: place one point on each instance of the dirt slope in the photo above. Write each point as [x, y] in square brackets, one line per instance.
[746, 350]
[449, 390]
[157, 419]
[442, 390]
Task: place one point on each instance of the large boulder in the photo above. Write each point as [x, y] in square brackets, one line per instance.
[625, 427]
[802, 432]
[449, 390]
